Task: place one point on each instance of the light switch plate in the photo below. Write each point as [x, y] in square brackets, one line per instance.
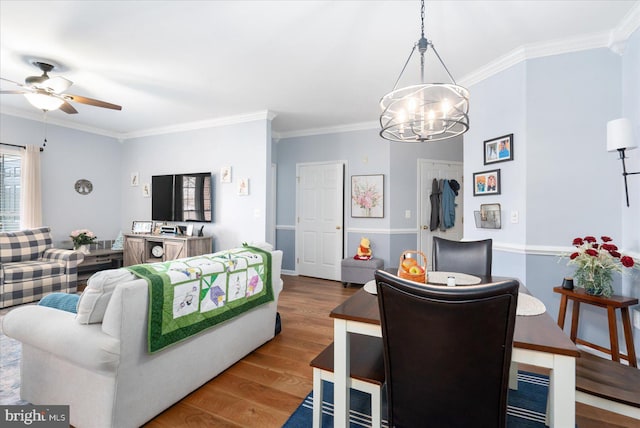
[515, 217]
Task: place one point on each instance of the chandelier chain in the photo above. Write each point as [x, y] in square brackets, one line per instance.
[422, 18]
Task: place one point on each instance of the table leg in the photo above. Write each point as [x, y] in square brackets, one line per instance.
[562, 392]
[613, 333]
[341, 358]
[575, 318]
[628, 337]
[317, 398]
[562, 313]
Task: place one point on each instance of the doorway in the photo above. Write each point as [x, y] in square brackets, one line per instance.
[429, 170]
[319, 219]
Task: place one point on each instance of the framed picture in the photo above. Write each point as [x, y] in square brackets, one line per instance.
[486, 183]
[142, 227]
[367, 196]
[146, 190]
[225, 174]
[499, 149]
[243, 186]
[134, 179]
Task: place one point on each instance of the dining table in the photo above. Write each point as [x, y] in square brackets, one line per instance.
[537, 341]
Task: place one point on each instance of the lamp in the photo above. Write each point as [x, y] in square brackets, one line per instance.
[620, 138]
[43, 101]
[424, 112]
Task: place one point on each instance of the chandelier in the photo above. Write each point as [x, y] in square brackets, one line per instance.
[424, 112]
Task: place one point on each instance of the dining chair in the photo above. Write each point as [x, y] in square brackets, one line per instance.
[447, 351]
[470, 257]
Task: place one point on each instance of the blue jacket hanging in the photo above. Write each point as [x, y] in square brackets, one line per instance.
[448, 205]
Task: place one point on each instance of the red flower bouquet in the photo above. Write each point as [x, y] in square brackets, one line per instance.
[595, 263]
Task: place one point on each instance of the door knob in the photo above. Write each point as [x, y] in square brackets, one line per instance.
[338, 228]
[424, 227]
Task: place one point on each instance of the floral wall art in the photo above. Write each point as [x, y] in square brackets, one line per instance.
[367, 196]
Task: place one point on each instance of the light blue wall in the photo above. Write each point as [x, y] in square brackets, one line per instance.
[363, 152]
[244, 147]
[114, 204]
[562, 181]
[631, 215]
[69, 156]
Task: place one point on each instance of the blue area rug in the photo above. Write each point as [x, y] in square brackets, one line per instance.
[526, 409]
[10, 352]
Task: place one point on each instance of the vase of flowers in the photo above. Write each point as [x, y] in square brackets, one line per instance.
[596, 262]
[82, 238]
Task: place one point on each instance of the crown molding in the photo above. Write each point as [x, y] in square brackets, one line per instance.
[538, 50]
[361, 126]
[201, 124]
[614, 39]
[39, 117]
[619, 35]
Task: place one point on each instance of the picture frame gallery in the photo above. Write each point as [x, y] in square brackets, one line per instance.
[498, 149]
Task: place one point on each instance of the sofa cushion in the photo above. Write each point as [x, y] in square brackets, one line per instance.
[24, 245]
[95, 297]
[63, 301]
[28, 270]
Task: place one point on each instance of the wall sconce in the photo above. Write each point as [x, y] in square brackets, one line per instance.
[620, 138]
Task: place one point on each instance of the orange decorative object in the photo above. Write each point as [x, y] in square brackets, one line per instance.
[410, 267]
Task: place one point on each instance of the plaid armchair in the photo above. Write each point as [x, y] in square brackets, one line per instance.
[30, 268]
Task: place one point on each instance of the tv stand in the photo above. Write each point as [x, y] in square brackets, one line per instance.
[140, 248]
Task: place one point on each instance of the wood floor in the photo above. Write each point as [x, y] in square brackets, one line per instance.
[264, 388]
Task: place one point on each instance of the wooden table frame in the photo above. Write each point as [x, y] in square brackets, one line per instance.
[578, 296]
[537, 341]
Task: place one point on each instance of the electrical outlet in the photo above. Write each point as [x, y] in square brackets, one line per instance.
[636, 318]
[407, 214]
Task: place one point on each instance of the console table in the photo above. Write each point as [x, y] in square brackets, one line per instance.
[578, 296]
[96, 261]
[140, 248]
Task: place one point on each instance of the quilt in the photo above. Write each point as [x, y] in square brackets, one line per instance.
[190, 295]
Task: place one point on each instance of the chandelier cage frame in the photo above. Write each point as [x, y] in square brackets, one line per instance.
[427, 111]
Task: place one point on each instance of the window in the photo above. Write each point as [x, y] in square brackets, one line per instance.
[10, 185]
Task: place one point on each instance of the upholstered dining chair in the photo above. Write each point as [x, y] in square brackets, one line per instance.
[470, 257]
[447, 352]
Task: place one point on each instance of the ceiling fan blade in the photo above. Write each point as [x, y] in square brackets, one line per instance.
[15, 92]
[68, 108]
[10, 81]
[56, 84]
[90, 101]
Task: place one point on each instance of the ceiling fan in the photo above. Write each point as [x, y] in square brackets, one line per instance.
[46, 93]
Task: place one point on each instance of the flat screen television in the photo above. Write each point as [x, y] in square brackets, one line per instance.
[182, 197]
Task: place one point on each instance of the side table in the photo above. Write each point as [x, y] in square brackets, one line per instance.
[96, 261]
[578, 296]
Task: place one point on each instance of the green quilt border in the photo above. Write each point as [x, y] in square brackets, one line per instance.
[156, 340]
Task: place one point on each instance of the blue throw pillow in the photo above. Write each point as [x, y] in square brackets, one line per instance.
[62, 301]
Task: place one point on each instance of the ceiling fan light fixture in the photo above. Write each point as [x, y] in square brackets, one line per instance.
[424, 112]
[44, 102]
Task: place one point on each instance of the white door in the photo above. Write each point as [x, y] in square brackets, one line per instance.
[430, 170]
[319, 219]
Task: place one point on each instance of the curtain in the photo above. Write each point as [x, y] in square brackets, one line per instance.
[31, 196]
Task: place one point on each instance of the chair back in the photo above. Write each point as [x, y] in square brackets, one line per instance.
[447, 352]
[470, 257]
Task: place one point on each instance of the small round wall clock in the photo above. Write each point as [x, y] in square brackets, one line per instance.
[157, 251]
[83, 186]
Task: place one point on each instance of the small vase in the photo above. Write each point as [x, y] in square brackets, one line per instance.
[84, 249]
[596, 282]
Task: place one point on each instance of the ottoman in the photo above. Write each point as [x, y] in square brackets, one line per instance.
[359, 271]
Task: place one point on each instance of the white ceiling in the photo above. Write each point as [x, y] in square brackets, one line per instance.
[314, 64]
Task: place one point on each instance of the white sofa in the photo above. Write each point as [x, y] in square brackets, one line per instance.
[103, 370]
